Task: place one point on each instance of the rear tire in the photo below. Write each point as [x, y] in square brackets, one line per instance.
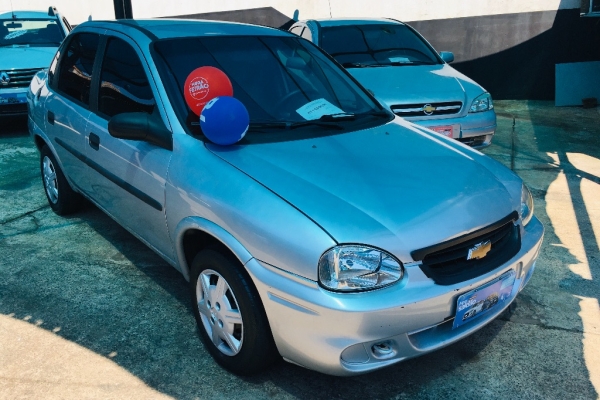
[232, 322]
[62, 198]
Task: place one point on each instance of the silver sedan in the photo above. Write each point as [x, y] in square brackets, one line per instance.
[405, 72]
[331, 233]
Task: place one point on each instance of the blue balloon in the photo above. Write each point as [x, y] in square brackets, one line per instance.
[224, 120]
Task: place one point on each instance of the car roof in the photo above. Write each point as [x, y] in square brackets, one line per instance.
[171, 28]
[24, 14]
[328, 22]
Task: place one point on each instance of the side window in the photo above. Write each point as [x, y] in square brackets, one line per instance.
[124, 85]
[76, 67]
[306, 34]
[296, 30]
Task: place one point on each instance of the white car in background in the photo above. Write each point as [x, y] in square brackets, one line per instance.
[28, 41]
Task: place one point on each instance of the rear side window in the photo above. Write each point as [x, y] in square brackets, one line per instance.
[307, 34]
[296, 30]
[76, 67]
[124, 85]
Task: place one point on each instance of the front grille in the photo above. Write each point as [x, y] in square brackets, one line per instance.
[447, 262]
[427, 109]
[473, 140]
[13, 109]
[19, 78]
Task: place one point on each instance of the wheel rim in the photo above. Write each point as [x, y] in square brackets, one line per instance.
[50, 181]
[219, 312]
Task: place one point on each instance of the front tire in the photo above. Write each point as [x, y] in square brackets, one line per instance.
[62, 198]
[230, 316]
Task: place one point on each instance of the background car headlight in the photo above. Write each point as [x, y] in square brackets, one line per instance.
[526, 205]
[353, 268]
[482, 103]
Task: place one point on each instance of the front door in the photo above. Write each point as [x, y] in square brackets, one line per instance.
[128, 177]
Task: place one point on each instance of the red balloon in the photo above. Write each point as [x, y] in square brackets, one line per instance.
[204, 84]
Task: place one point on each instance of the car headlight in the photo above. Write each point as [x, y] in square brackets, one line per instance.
[354, 268]
[526, 205]
[482, 103]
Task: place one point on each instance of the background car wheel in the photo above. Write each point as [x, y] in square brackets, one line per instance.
[230, 315]
[62, 198]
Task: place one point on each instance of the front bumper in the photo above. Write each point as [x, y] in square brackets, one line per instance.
[474, 129]
[337, 333]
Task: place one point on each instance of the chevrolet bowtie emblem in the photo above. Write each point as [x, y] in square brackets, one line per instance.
[428, 109]
[480, 250]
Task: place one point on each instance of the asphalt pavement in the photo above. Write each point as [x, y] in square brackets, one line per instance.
[87, 311]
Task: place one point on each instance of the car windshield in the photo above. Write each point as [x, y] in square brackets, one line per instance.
[278, 79]
[373, 45]
[30, 32]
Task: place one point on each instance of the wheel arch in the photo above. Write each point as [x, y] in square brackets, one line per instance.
[194, 234]
[39, 142]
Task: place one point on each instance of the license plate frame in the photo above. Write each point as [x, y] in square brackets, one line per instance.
[481, 300]
[446, 130]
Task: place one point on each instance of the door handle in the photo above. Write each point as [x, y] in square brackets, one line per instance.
[94, 141]
[50, 117]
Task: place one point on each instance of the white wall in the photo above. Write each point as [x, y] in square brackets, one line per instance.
[78, 11]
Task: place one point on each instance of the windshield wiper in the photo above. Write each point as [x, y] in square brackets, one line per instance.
[337, 117]
[402, 64]
[326, 121]
[360, 65]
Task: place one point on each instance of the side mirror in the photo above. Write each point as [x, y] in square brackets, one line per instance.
[141, 126]
[447, 56]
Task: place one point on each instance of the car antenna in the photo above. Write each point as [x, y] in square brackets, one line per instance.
[12, 10]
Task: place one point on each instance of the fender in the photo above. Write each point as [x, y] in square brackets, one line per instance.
[204, 225]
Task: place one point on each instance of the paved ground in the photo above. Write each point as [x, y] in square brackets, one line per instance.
[87, 311]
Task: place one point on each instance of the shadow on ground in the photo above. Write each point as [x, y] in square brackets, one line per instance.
[105, 291]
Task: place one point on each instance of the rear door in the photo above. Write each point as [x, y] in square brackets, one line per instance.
[127, 177]
[67, 106]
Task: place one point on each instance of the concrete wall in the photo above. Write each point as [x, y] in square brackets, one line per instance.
[514, 55]
[407, 10]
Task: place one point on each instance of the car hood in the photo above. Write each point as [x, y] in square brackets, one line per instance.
[25, 57]
[418, 84]
[396, 186]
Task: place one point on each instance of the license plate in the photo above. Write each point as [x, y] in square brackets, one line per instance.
[480, 301]
[13, 98]
[446, 130]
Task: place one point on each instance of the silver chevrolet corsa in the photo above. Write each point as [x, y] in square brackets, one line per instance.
[343, 241]
[404, 71]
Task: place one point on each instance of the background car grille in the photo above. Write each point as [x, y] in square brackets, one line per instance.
[19, 78]
[416, 110]
[447, 263]
[10, 109]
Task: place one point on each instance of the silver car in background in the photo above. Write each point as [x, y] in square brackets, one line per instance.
[28, 41]
[343, 242]
[403, 70]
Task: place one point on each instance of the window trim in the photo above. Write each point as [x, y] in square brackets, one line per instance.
[95, 90]
[57, 74]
